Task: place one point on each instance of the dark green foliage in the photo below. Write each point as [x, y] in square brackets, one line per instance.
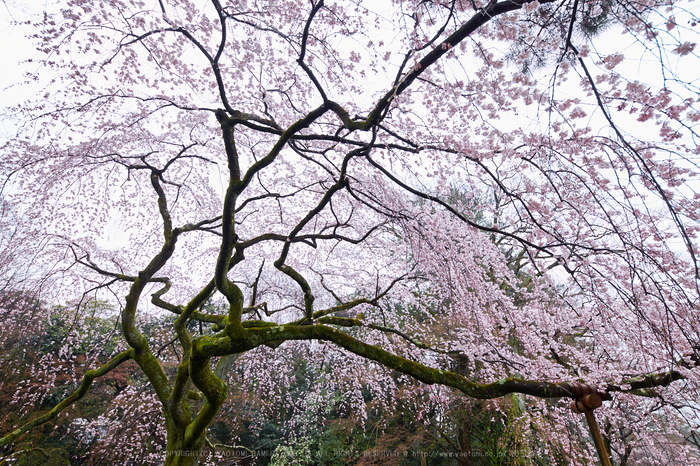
[93, 324]
[29, 456]
[595, 17]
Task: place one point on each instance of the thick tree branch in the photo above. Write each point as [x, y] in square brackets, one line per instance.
[80, 392]
[210, 347]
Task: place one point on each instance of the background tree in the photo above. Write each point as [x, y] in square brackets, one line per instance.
[301, 162]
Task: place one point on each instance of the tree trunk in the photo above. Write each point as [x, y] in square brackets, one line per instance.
[464, 431]
[177, 454]
[180, 456]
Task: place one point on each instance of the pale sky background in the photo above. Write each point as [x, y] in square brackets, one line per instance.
[639, 64]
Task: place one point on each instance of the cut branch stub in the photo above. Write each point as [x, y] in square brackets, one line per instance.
[587, 403]
[579, 391]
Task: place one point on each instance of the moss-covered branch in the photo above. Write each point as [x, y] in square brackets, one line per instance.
[256, 336]
[357, 322]
[214, 390]
[80, 392]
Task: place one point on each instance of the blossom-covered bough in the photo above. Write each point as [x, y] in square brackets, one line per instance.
[411, 182]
